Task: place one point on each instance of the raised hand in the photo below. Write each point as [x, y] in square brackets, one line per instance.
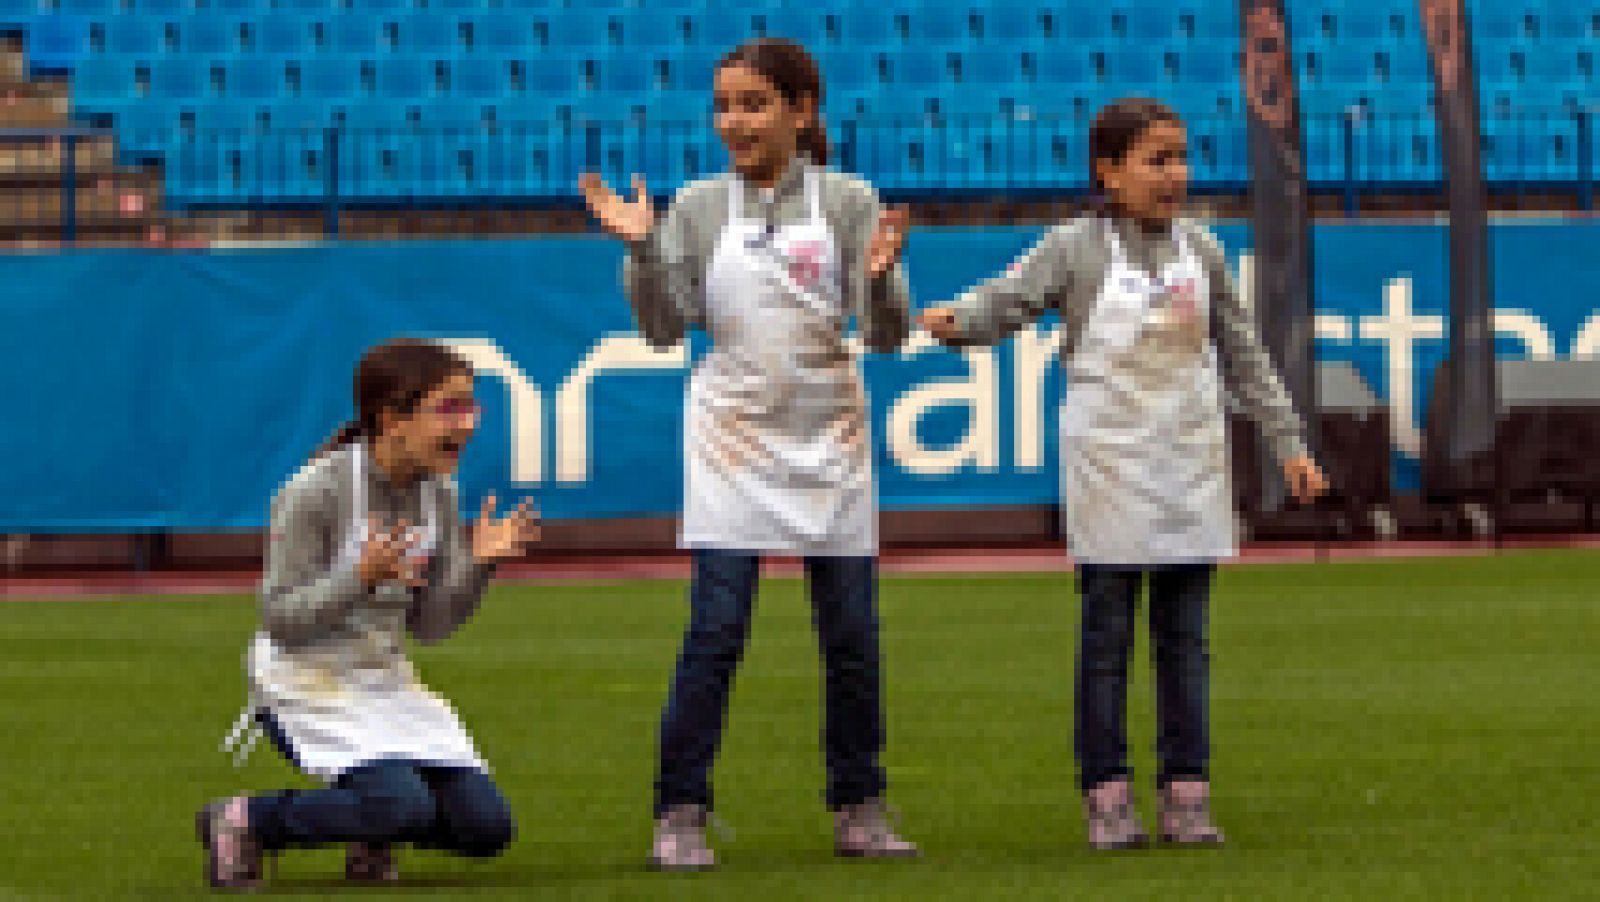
[1306, 480]
[630, 220]
[888, 239]
[384, 556]
[497, 539]
[940, 322]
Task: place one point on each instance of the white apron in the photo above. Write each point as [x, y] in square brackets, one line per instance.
[1144, 464]
[778, 454]
[354, 698]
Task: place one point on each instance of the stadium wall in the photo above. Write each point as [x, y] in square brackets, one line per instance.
[175, 390]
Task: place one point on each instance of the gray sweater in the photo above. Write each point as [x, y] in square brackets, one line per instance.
[1064, 272]
[304, 601]
[664, 275]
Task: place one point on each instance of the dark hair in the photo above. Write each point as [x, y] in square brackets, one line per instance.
[394, 376]
[1118, 126]
[794, 74]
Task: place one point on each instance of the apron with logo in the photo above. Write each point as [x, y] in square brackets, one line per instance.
[354, 698]
[778, 454]
[1144, 460]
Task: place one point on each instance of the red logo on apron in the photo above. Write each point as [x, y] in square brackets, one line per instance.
[805, 262]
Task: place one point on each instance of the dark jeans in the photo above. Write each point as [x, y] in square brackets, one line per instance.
[721, 598]
[457, 809]
[1179, 597]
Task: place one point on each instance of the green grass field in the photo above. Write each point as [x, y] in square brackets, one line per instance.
[1383, 730]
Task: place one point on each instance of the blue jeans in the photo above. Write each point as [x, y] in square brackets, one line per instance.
[457, 809]
[1179, 598]
[721, 600]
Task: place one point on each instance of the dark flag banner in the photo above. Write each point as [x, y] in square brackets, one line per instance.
[1462, 433]
[1283, 299]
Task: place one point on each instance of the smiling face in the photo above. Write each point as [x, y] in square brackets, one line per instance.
[429, 439]
[1151, 181]
[758, 126]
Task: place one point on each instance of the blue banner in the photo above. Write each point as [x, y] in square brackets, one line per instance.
[177, 389]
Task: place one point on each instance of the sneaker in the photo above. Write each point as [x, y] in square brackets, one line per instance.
[233, 857]
[680, 841]
[370, 863]
[1113, 822]
[1186, 814]
[864, 831]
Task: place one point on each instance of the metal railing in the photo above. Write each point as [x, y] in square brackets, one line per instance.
[536, 164]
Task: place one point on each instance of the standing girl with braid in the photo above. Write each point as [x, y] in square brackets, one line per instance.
[773, 260]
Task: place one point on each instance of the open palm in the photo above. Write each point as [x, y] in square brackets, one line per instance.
[630, 220]
[497, 539]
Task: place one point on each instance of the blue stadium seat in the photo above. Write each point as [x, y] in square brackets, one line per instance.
[20, 13]
[1152, 23]
[1089, 23]
[551, 74]
[450, 112]
[382, 6]
[1361, 26]
[1012, 23]
[254, 78]
[405, 78]
[1351, 67]
[1208, 66]
[355, 34]
[990, 66]
[163, 7]
[370, 115]
[1135, 67]
[1219, 22]
[806, 24]
[55, 43]
[632, 73]
[208, 35]
[91, 8]
[330, 77]
[225, 116]
[575, 30]
[867, 25]
[531, 4]
[429, 33]
[1568, 22]
[299, 115]
[144, 131]
[694, 71]
[503, 33]
[180, 78]
[281, 33]
[134, 36]
[940, 24]
[920, 68]
[480, 78]
[1554, 68]
[1064, 65]
[1496, 22]
[847, 70]
[652, 28]
[457, 6]
[100, 83]
[723, 28]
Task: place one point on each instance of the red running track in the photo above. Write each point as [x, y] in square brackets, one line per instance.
[611, 568]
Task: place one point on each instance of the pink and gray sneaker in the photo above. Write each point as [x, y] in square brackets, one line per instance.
[680, 840]
[1113, 822]
[864, 831]
[1186, 814]
[370, 863]
[233, 857]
